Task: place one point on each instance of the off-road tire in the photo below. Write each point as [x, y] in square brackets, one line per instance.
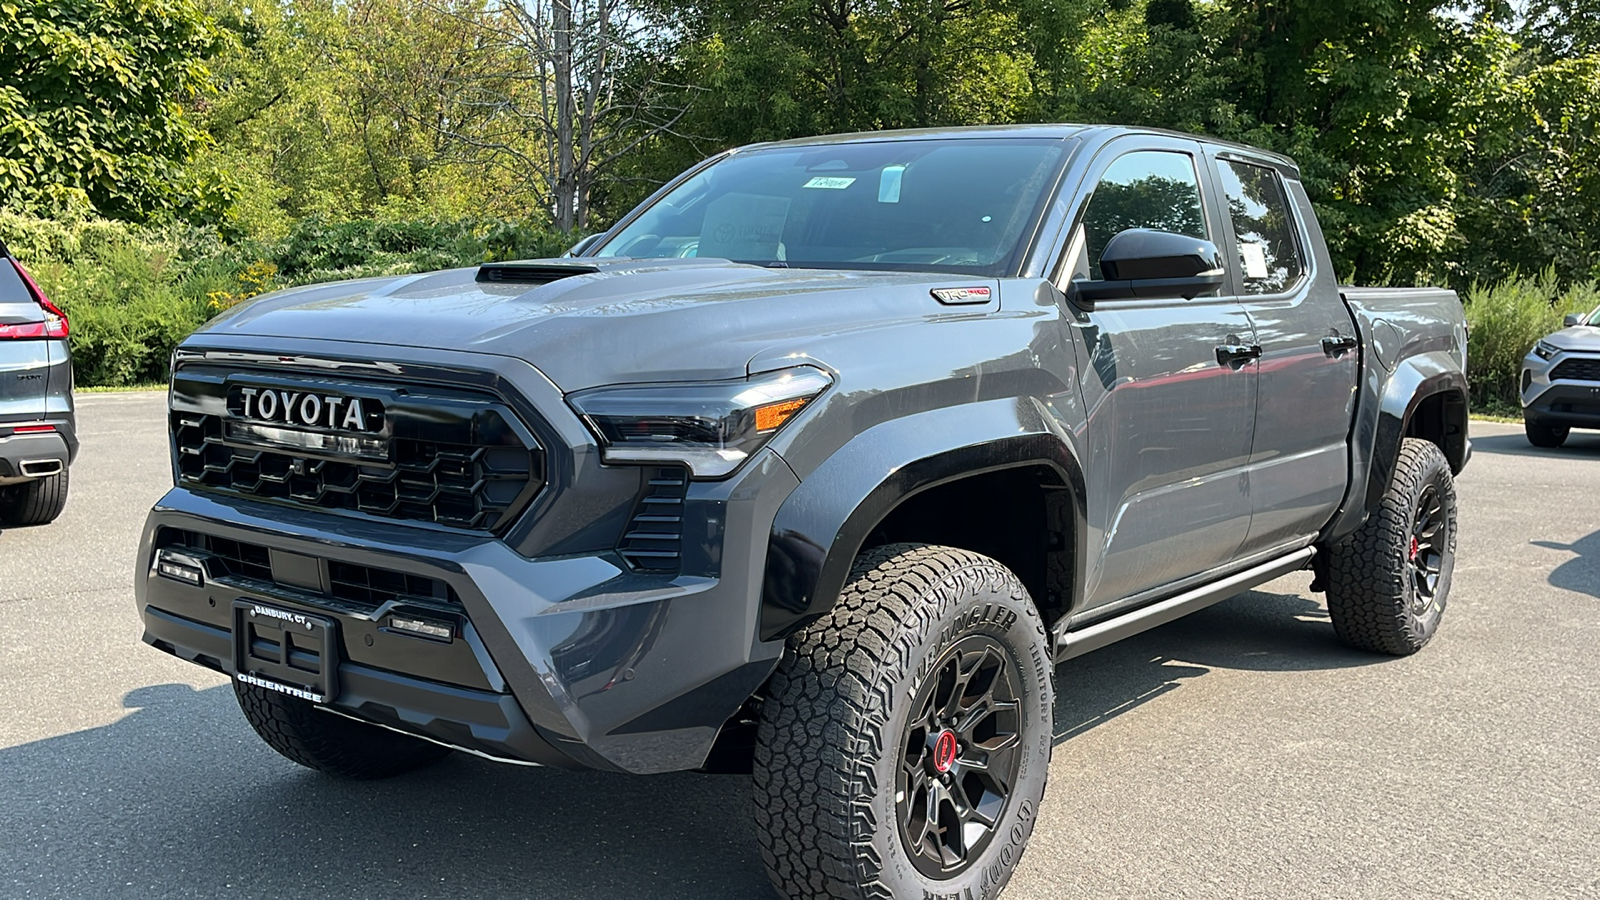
[837, 713]
[1373, 596]
[331, 743]
[1548, 436]
[36, 502]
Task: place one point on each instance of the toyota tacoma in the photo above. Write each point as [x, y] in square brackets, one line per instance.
[815, 466]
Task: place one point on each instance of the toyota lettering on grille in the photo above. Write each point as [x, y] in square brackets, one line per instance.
[306, 409]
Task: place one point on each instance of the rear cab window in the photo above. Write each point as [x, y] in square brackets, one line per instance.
[1264, 228]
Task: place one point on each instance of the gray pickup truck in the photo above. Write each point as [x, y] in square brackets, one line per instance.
[816, 465]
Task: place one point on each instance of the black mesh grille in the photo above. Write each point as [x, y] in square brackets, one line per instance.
[654, 537]
[1579, 369]
[365, 586]
[461, 484]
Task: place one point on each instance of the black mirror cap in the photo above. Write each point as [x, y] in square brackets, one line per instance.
[1139, 254]
[1571, 320]
[583, 245]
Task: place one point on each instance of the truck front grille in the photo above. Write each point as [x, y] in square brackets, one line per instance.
[1578, 369]
[654, 537]
[456, 462]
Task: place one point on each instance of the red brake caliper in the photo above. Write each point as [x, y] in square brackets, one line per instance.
[1414, 548]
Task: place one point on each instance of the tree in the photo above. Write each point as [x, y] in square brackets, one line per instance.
[91, 111]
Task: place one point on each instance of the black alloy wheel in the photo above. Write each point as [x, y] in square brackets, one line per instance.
[1426, 556]
[960, 757]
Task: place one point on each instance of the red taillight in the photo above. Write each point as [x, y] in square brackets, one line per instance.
[55, 321]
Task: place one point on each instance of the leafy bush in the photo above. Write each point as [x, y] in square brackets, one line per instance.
[1505, 319]
[133, 293]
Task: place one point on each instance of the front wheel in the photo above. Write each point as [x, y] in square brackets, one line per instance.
[1389, 581]
[905, 738]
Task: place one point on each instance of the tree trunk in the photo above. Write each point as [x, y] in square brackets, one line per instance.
[566, 182]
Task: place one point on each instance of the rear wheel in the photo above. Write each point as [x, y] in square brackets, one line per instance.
[1389, 581]
[905, 738]
[36, 502]
[1541, 435]
[331, 743]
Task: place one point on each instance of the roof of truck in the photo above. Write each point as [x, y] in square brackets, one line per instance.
[1059, 131]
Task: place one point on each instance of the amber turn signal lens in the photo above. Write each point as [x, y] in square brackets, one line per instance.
[773, 415]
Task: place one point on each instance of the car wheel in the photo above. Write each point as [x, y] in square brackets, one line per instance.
[1388, 583]
[36, 502]
[1545, 435]
[331, 743]
[904, 740]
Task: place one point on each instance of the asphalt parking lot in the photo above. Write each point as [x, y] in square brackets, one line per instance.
[1241, 752]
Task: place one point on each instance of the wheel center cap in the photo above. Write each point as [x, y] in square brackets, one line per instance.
[944, 751]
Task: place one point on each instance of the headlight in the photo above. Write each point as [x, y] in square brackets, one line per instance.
[712, 427]
[1545, 350]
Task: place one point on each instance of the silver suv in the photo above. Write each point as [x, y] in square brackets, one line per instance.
[37, 431]
[1561, 382]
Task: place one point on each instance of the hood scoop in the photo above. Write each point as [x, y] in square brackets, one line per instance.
[542, 272]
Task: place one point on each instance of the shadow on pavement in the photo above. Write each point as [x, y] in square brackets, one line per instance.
[1256, 631]
[1580, 574]
[180, 799]
[1579, 445]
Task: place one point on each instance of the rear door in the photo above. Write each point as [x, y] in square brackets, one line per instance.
[1308, 368]
[24, 358]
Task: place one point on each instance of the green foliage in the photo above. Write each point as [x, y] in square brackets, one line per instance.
[1505, 319]
[132, 293]
[90, 110]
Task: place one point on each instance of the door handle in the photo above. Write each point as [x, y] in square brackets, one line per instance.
[1334, 345]
[1227, 354]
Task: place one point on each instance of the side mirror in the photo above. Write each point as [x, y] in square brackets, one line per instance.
[1141, 263]
[1571, 320]
[583, 245]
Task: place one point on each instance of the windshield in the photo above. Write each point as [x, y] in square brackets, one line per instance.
[947, 205]
[1594, 318]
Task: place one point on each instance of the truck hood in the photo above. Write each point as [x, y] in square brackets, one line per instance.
[1584, 338]
[618, 320]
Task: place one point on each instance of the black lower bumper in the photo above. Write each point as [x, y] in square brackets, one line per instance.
[483, 722]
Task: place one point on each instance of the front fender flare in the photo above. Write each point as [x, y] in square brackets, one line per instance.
[822, 526]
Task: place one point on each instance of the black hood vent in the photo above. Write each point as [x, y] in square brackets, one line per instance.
[532, 272]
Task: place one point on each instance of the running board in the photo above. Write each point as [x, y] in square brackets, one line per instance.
[1093, 637]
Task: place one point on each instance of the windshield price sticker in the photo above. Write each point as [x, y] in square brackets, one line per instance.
[830, 182]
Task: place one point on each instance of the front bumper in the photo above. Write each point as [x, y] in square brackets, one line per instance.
[1558, 401]
[567, 660]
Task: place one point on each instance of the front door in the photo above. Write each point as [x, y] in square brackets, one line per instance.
[1169, 420]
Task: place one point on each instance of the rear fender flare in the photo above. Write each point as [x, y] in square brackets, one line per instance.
[1415, 379]
[823, 526]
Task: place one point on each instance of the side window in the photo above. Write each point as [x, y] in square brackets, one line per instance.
[1156, 189]
[1269, 254]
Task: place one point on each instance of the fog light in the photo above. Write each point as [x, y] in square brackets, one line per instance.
[179, 567]
[437, 631]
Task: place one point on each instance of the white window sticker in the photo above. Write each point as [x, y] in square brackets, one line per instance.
[744, 226]
[830, 182]
[1255, 260]
[889, 184]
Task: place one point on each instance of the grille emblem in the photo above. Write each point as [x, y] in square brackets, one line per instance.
[306, 409]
